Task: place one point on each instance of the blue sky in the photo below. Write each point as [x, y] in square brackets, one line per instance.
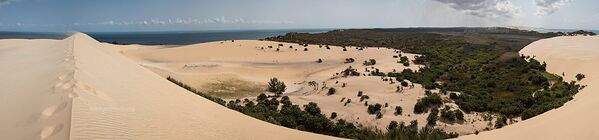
[163, 15]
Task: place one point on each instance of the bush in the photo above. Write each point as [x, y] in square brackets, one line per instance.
[453, 96]
[398, 110]
[312, 108]
[392, 125]
[364, 97]
[423, 104]
[276, 86]
[369, 62]
[500, 122]
[404, 83]
[360, 93]
[331, 91]
[432, 117]
[305, 49]
[580, 76]
[447, 114]
[459, 115]
[333, 115]
[372, 109]
[319, 60]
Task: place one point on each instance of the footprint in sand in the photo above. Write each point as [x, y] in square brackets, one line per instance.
[48, 112]
[85, 89]
[50, 131]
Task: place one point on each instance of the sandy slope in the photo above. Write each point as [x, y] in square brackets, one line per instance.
[577, 119]
[77, 89]
[34, 101]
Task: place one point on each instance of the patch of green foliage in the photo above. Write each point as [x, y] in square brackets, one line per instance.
[423, 104]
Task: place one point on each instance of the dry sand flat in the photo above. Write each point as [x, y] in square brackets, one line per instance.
[77, 89]
[252, 61]
[577, 119]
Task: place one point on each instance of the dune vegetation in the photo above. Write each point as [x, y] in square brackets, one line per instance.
[281, 111]
[482, 64]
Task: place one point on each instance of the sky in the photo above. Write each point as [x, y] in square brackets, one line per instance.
[194, 15]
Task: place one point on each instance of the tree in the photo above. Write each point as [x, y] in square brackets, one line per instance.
[360, 93]
[305, 49]
[331, 91]
[276, 86]
[319, 60]
[398, 110]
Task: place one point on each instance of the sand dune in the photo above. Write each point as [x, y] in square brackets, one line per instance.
[577, 119]
[78, 89]
[205, 65]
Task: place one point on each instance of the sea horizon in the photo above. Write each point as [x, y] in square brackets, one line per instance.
[181, 37]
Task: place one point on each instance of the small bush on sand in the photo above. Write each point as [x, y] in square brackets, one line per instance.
[398, 110]
[331, 91]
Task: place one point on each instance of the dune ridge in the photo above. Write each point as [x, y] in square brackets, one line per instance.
[77, 89]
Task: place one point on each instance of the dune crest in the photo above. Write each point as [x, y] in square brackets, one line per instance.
[77, 89]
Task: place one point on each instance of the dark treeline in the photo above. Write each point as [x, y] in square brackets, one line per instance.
[482, 64]
[281, 111]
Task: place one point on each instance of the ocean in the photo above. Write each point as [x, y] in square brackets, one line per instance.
[191, 37]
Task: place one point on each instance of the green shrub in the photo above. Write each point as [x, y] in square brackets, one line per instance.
[331, 91]
[398, 110]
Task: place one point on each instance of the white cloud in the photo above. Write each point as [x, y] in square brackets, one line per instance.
[189, 21]
[496, 9]
[6, 2]
[547, 7]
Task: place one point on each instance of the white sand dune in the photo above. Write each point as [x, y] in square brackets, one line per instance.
[78, 89]
[577, 119]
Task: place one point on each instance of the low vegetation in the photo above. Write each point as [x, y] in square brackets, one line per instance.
[430, 101]
[312, 120]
